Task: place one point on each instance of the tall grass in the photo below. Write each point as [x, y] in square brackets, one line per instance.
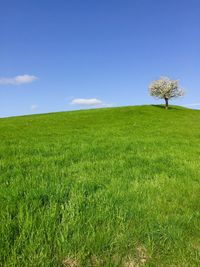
[107, 187]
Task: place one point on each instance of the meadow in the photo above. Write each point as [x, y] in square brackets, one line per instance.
[102, 187]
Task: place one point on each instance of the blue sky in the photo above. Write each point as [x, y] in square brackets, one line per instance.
[54, 55]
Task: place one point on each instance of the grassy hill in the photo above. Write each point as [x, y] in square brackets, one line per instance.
[104, 187]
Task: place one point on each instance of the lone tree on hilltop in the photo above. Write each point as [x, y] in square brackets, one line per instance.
[164, 88]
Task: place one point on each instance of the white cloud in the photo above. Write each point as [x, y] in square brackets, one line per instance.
[197, 105]
[89, 102]
[86, 102]
[194, 104]
[34, 107]
[20, 79]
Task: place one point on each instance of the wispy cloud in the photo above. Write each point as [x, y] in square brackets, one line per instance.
[17, 80]
[195, 105]
[86, 101]
[34, 107]
[89, 102]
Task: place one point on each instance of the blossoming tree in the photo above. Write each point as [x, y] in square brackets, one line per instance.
[164, 88]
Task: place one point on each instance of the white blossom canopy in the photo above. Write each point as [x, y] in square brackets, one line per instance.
[164, 88]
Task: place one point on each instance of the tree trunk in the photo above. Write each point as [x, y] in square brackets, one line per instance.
[166, 103]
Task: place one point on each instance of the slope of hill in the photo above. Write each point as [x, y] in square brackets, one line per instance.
[104, 187]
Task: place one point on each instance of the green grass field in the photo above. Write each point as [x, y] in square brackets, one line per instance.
[104, 187]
